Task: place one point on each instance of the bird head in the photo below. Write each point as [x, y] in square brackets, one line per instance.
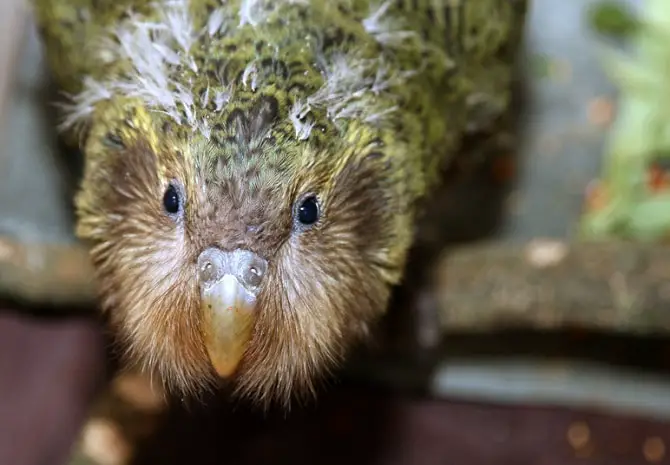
[248, 256]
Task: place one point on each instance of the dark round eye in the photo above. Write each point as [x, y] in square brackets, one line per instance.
[308, 211]
[171, 201]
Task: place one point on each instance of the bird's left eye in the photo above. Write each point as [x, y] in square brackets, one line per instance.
[171, 200]
[308, 211]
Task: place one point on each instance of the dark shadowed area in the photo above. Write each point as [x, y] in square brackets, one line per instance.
[364, 425]
[48, 372]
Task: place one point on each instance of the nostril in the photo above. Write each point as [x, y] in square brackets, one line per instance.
[211, 264]
[207, 272]
[253, 276]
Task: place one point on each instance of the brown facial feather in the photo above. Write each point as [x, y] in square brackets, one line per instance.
[324, 284]
[322, 293]
[144, 266]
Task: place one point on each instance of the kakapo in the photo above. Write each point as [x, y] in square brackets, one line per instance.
[254, 169]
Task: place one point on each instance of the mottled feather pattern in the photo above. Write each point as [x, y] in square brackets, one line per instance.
[248, 106]
[328, 61]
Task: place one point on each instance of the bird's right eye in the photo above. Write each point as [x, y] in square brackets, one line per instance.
[171, 200]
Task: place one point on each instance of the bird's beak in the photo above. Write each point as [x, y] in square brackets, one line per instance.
[228, 317]
[229, 282]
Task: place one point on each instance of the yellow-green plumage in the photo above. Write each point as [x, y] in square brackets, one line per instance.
[432, 54]
[261, 101]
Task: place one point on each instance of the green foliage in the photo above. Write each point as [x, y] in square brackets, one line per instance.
[613, 19]
[636, 209]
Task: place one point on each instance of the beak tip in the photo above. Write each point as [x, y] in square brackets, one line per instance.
[223, 368]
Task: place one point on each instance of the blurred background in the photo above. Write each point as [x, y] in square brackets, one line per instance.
[515, 341]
